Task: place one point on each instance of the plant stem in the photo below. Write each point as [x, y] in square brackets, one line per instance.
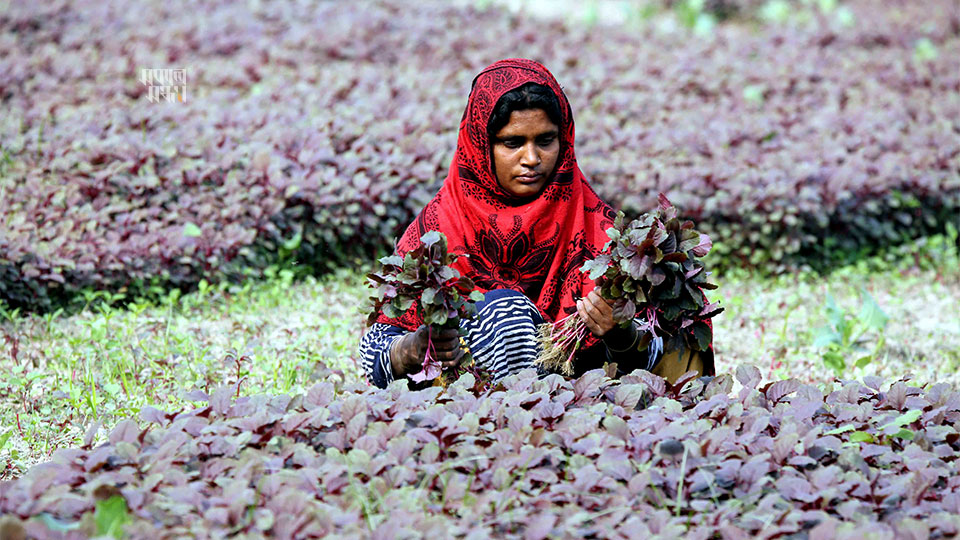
[683, 472]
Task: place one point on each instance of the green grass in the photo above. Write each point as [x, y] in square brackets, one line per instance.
[774, 324]
[60, 375]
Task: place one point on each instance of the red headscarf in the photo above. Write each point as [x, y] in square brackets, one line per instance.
[536, 247]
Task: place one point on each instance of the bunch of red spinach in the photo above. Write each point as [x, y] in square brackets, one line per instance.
[424, 278]
[650, 267]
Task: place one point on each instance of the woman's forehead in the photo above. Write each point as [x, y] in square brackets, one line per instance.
[528, 122]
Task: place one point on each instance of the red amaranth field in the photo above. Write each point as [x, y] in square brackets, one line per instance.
[327, 126]
[588, 458]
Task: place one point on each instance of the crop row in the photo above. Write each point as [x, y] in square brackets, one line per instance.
[315, 132]
[531, 458]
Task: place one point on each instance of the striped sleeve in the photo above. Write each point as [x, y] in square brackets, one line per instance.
[503, 335]
[375, 353]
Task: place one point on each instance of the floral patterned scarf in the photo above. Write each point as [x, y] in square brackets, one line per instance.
[536, 247]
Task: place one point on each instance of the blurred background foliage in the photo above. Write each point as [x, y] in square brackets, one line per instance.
[801, 135]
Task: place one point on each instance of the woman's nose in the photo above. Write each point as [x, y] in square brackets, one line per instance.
[530, 157]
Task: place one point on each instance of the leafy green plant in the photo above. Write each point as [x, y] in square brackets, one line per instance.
[5, 160]
[651, 266]
[924, 51]
[694, 15]
[806, 11]
[10, 315]
[5, 437]
[424, 279]
[843, 337]
[110, 515]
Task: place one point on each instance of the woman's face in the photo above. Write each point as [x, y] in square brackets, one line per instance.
[525, 152]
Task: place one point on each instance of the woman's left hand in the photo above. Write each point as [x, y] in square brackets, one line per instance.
[596, 313]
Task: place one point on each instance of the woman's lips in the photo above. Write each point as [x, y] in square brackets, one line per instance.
[529, 179]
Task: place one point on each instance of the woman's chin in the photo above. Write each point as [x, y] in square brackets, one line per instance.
[524, 190]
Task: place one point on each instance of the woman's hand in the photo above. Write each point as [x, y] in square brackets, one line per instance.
[596, 312]
[407, 353]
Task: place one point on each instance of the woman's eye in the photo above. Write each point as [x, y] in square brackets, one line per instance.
[546, 141]
[511, 143]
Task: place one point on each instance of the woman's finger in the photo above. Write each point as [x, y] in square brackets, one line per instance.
[597, 296]
[598, 320]
[445, 339]
[446, 345]
[447, 333]
[603, 306]
[586, 317]
[449, 349]
[455, 361]
[596, 312]
[603, 314]
[444, 355]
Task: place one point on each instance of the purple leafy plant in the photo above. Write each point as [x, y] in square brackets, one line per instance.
[533, 457]
[787, 157]
[652, 267]
[424, 279]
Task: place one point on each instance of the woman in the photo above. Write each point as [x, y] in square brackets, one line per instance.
[516, 203]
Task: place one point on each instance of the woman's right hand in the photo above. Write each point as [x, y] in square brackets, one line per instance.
[407, 353]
